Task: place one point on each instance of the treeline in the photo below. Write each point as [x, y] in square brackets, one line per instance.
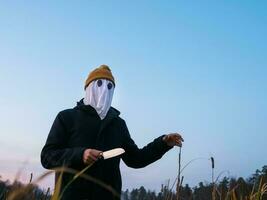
[27, 191]
[226, 188]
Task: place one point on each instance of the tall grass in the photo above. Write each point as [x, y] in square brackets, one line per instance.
[179, 182]
[26, 192]
[231, 194]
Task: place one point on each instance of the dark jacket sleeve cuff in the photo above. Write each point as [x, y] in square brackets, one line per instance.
[78, 156]
[163, 145]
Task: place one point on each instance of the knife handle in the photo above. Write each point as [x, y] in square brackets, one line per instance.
[101, 157]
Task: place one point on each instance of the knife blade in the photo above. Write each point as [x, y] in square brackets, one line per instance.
[111, 153]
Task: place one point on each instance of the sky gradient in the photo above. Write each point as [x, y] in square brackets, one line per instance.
[189, 67]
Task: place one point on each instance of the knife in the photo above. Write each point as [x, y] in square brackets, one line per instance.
[103, 156]
[111, 153]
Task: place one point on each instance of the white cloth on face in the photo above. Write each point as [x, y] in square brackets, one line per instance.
[98, 94]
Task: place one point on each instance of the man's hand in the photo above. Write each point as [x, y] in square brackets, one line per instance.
[90, 155]
[173, 139]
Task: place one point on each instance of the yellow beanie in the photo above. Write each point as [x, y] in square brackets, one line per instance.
[102, 72]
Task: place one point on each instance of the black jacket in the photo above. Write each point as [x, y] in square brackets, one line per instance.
[77, 129]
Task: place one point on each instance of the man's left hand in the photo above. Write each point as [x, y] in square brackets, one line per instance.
[173, 139]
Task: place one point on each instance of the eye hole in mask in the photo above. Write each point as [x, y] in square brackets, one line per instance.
[110, 86]
[99, 83]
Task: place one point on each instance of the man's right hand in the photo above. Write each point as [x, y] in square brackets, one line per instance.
[90, 155]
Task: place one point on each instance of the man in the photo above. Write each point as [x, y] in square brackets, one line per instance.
[79, 135]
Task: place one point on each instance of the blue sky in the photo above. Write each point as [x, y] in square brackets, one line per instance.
[198, 68]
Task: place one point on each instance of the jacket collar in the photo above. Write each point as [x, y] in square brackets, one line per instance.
[112, 113]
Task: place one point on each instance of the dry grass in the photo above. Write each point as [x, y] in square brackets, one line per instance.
[215, 193]
[25, 192]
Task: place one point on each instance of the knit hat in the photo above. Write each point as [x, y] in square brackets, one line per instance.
[102, 72]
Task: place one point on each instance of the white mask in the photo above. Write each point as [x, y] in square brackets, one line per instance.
[99, 95]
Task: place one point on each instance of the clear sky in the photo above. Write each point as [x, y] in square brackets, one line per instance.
[196, 67]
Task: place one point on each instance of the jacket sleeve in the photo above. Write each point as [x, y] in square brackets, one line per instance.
[138, 158]
[55, 152]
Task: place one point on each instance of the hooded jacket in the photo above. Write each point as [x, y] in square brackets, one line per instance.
[75, 130]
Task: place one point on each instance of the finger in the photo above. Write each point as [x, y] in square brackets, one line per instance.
[177, 135]
[179, 140]
[179, 144]
[96, 153]
[92, 157]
